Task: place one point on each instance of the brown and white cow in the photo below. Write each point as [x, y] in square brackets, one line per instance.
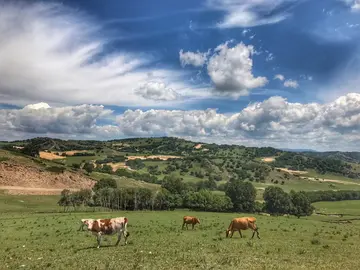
[108, 226]
[243, 223]
[190, 220]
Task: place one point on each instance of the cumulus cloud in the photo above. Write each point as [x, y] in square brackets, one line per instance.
[273, 122]
[157, 91]
[249, 13]
[230, 70]
[279, 77]
[59, 55]
[291, 83]
[196, 59]
[41, 119]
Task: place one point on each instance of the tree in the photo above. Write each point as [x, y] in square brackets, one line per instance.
[277, 201]
[32, 150]
[301, 205]
[65, 199]
[174, 184]
[242, 195]
[105, 183]
[89, 167]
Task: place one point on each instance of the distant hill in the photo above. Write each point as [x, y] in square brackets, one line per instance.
[297, 150]
[203, 165]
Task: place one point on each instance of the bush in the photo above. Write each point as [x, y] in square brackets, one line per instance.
[55, 169]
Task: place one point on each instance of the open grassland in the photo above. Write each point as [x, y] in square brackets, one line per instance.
[124, 182]
[42, 241]
[341, 207]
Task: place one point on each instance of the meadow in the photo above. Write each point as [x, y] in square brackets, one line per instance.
[36, 235]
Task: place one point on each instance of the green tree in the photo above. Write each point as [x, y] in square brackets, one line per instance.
[89, 167]
[242, 195]
[301, 205]
[105, 183]
[174, 184]
[277, 201]
[65, 199]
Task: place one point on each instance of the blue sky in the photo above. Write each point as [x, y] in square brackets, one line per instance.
[271, 72]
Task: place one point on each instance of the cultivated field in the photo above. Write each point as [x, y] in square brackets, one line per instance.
[50, 240]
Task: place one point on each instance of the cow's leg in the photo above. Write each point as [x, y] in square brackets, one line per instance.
[119, 238]
[193, 226]
[183, 226]
[240, 233]
[253, 234]
[257, 232]
[99, 240]
[231, 234]
[187, 226]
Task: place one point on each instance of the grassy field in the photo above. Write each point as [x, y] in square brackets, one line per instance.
[124, 182]
[41, 241]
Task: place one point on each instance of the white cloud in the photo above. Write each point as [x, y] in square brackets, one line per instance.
[230, 70]
[275, 122]
[58, 55]
[156, 91]
[269, 57]
[354, 4]
[196, 59]
[279, 77]
[40, 119]
[291, 83]
[248, 13]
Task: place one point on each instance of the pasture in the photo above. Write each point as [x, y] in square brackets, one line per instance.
[35, 240]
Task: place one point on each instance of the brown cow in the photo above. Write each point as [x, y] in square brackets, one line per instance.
[243, 223]
[190, 220]
[109, 226]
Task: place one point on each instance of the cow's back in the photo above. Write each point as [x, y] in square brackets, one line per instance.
[240, 223]
[189, 219]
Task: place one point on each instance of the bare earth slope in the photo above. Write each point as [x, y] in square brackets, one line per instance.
[28, 179]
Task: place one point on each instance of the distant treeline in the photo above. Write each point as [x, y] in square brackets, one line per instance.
[330, 195]
[301, 162]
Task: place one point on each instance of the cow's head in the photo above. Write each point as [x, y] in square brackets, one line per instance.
[88, 223]
[227, 233]
[197, 220]
[126, 234]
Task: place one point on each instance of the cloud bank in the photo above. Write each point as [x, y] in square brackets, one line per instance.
[275, 122]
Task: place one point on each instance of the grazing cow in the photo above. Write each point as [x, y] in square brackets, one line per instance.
[243, 223]
[109, 226]
[190, 220]
[84, 222]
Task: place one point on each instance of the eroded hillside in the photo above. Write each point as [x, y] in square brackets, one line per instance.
[21, 175]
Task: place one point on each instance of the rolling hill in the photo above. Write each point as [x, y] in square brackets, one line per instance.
[146, 161]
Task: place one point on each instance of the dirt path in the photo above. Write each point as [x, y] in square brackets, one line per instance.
[268, 159]
[162, 157]
[18, 190]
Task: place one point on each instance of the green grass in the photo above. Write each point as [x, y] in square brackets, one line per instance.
[78, 160]
[43, 241]
[341, 207]
[27, 203]
[312, 173]
[124, 182]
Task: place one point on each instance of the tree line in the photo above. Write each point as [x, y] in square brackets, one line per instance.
[240, 196]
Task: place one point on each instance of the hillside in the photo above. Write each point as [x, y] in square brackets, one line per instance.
[25, 175]
[150, 160]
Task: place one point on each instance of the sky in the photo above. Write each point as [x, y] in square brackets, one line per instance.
[280, 73]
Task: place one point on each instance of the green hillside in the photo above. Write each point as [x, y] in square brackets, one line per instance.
[201, 165]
